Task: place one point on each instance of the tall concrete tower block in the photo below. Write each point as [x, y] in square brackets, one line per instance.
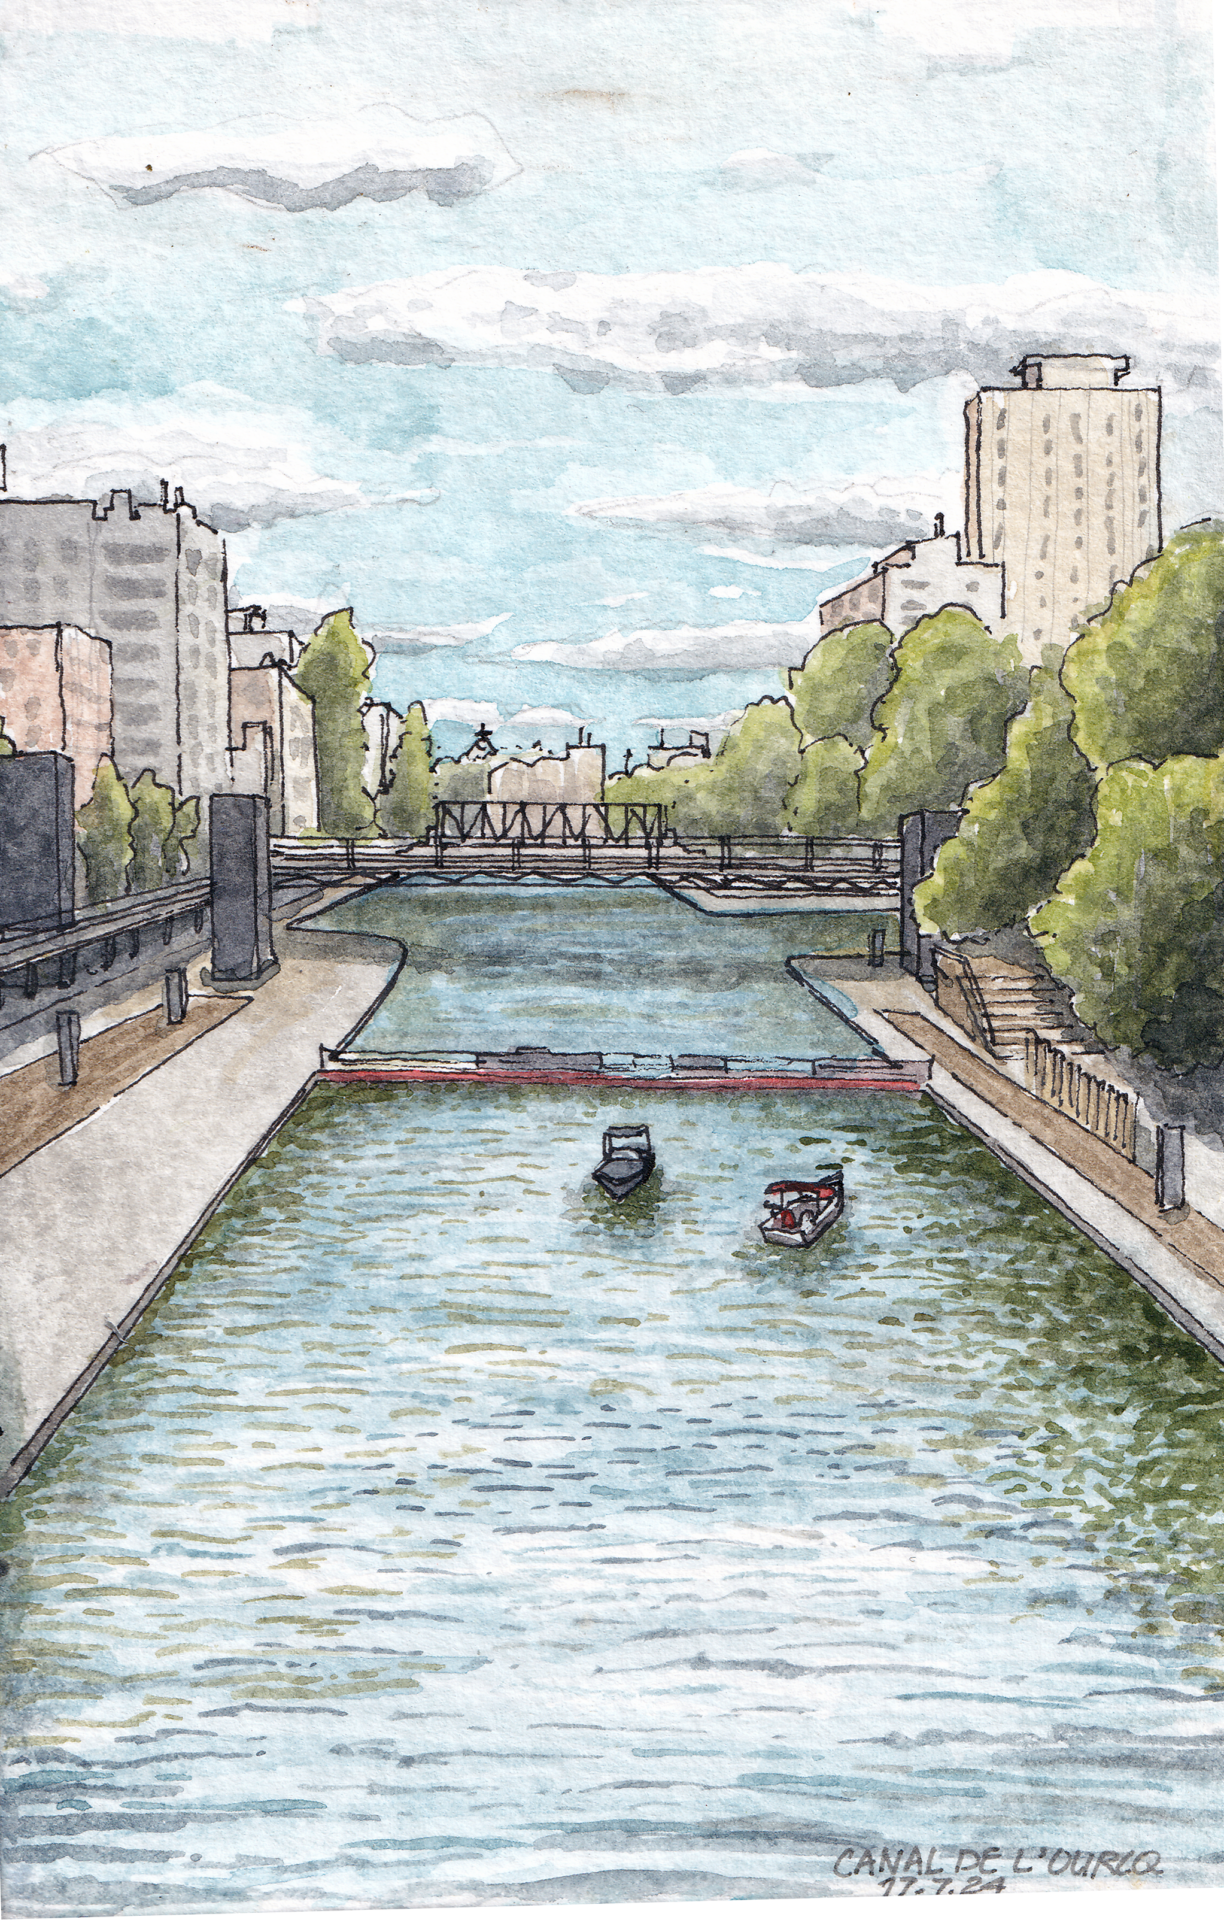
[1062, 486]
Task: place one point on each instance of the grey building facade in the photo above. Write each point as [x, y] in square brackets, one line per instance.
[150, 578]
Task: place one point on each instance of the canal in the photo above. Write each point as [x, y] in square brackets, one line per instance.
[448, 1533]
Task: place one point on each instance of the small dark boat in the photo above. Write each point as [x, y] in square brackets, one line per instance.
[628, 1160]
[801, 1210]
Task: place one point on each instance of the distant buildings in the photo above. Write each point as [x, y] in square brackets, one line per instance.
[697, 747]
[915, 580]
[274, 735]
[55, 696]
[149, 578]
[381, 723]
[1062, 503]
[253, 643]
[575, 776]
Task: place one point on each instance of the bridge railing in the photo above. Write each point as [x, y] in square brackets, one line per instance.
[809, 852]
[538, 823]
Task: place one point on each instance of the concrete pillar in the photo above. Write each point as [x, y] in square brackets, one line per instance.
[922, 835]
[240, 860]
[68, 1044]
[37, 842]
[1170, 1168]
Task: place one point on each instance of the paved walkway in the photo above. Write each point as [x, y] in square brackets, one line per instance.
[93, 1224]
[37, 1109]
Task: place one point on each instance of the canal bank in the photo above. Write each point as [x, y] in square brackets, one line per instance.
[1177, 1255]
[119, 1177]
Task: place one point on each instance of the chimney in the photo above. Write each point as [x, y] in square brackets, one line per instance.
[178, 497]
[3, 468]
[939, 526]
[165, 496]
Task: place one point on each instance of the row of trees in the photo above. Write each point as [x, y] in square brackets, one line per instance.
[1102, 833]
[872, 728]
[135, 838]
[335, 671]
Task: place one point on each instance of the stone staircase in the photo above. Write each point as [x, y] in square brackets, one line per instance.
[998, 1002]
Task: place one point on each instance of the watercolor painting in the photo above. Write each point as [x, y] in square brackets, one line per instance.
[611, 915]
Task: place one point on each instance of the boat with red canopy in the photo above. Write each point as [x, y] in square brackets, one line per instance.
[799, 1211]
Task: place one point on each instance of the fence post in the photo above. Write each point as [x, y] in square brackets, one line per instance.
[176, 995]
[875, 956]
[1170, 1168]
[68, 1045]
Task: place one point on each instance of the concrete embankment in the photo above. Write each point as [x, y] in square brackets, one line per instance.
[94, 1221]
[1177, 1256]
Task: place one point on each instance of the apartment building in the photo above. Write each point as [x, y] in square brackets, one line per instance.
[916, 579]
[150, 579]
[275, 745]
[1062, 488]
[55, 697]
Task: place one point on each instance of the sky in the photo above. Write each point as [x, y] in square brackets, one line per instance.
[581, 345]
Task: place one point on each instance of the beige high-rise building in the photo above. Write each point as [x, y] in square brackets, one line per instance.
[1062, 487]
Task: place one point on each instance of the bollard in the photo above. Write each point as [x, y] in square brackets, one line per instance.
[875, 956]
[1170, 1168]
[176, 995]
[68, 1044]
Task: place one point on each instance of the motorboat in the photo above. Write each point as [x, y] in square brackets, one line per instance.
[628, 1160]
[799, 1211]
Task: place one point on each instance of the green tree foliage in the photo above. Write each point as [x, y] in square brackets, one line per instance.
[1136, 927]
[1147, 676]
[942, 723]
[160, 828]
[824, 799]
[7, 746]
[406, 809]
[741, 790]
[1022, 829]
[841, 679]
[335, 671]
[105, 835]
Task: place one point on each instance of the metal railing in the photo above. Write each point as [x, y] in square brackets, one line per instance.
[548, 823]
[1058, 1080]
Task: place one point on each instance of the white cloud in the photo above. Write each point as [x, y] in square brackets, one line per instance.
[874, 515]
[245, 20]
[620, 599]
[695, 722]
[375, 153]
[760, 167]
[981, 31]
[423, 639]
[763, 327]
[741, 645]
[733, 593]
[544, 717]
[817, 561]
[240, 464]
[465, 713]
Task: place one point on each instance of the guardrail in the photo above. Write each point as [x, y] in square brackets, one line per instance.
[1058, 1079]
[24, 958]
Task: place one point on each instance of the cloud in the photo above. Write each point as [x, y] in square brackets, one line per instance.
[760, 327]
[878, 515]
[241, 465]
[620, 599]
[244, 20]
[742, 645]
[818, 562]
[375, 153]
[732, 593]
[423, 639]
[465, 713]
[544, 717]
[759, 167]
[696, 722]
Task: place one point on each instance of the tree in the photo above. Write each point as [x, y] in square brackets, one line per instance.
[743, 788]
[1022, 829]
[824, 798]
[7, 746]
[335, 671]
[1136, 927]
[406, 809]
[841, 679]
[105, 837]
[942, 723]
[1147, 676]
[161, 828]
